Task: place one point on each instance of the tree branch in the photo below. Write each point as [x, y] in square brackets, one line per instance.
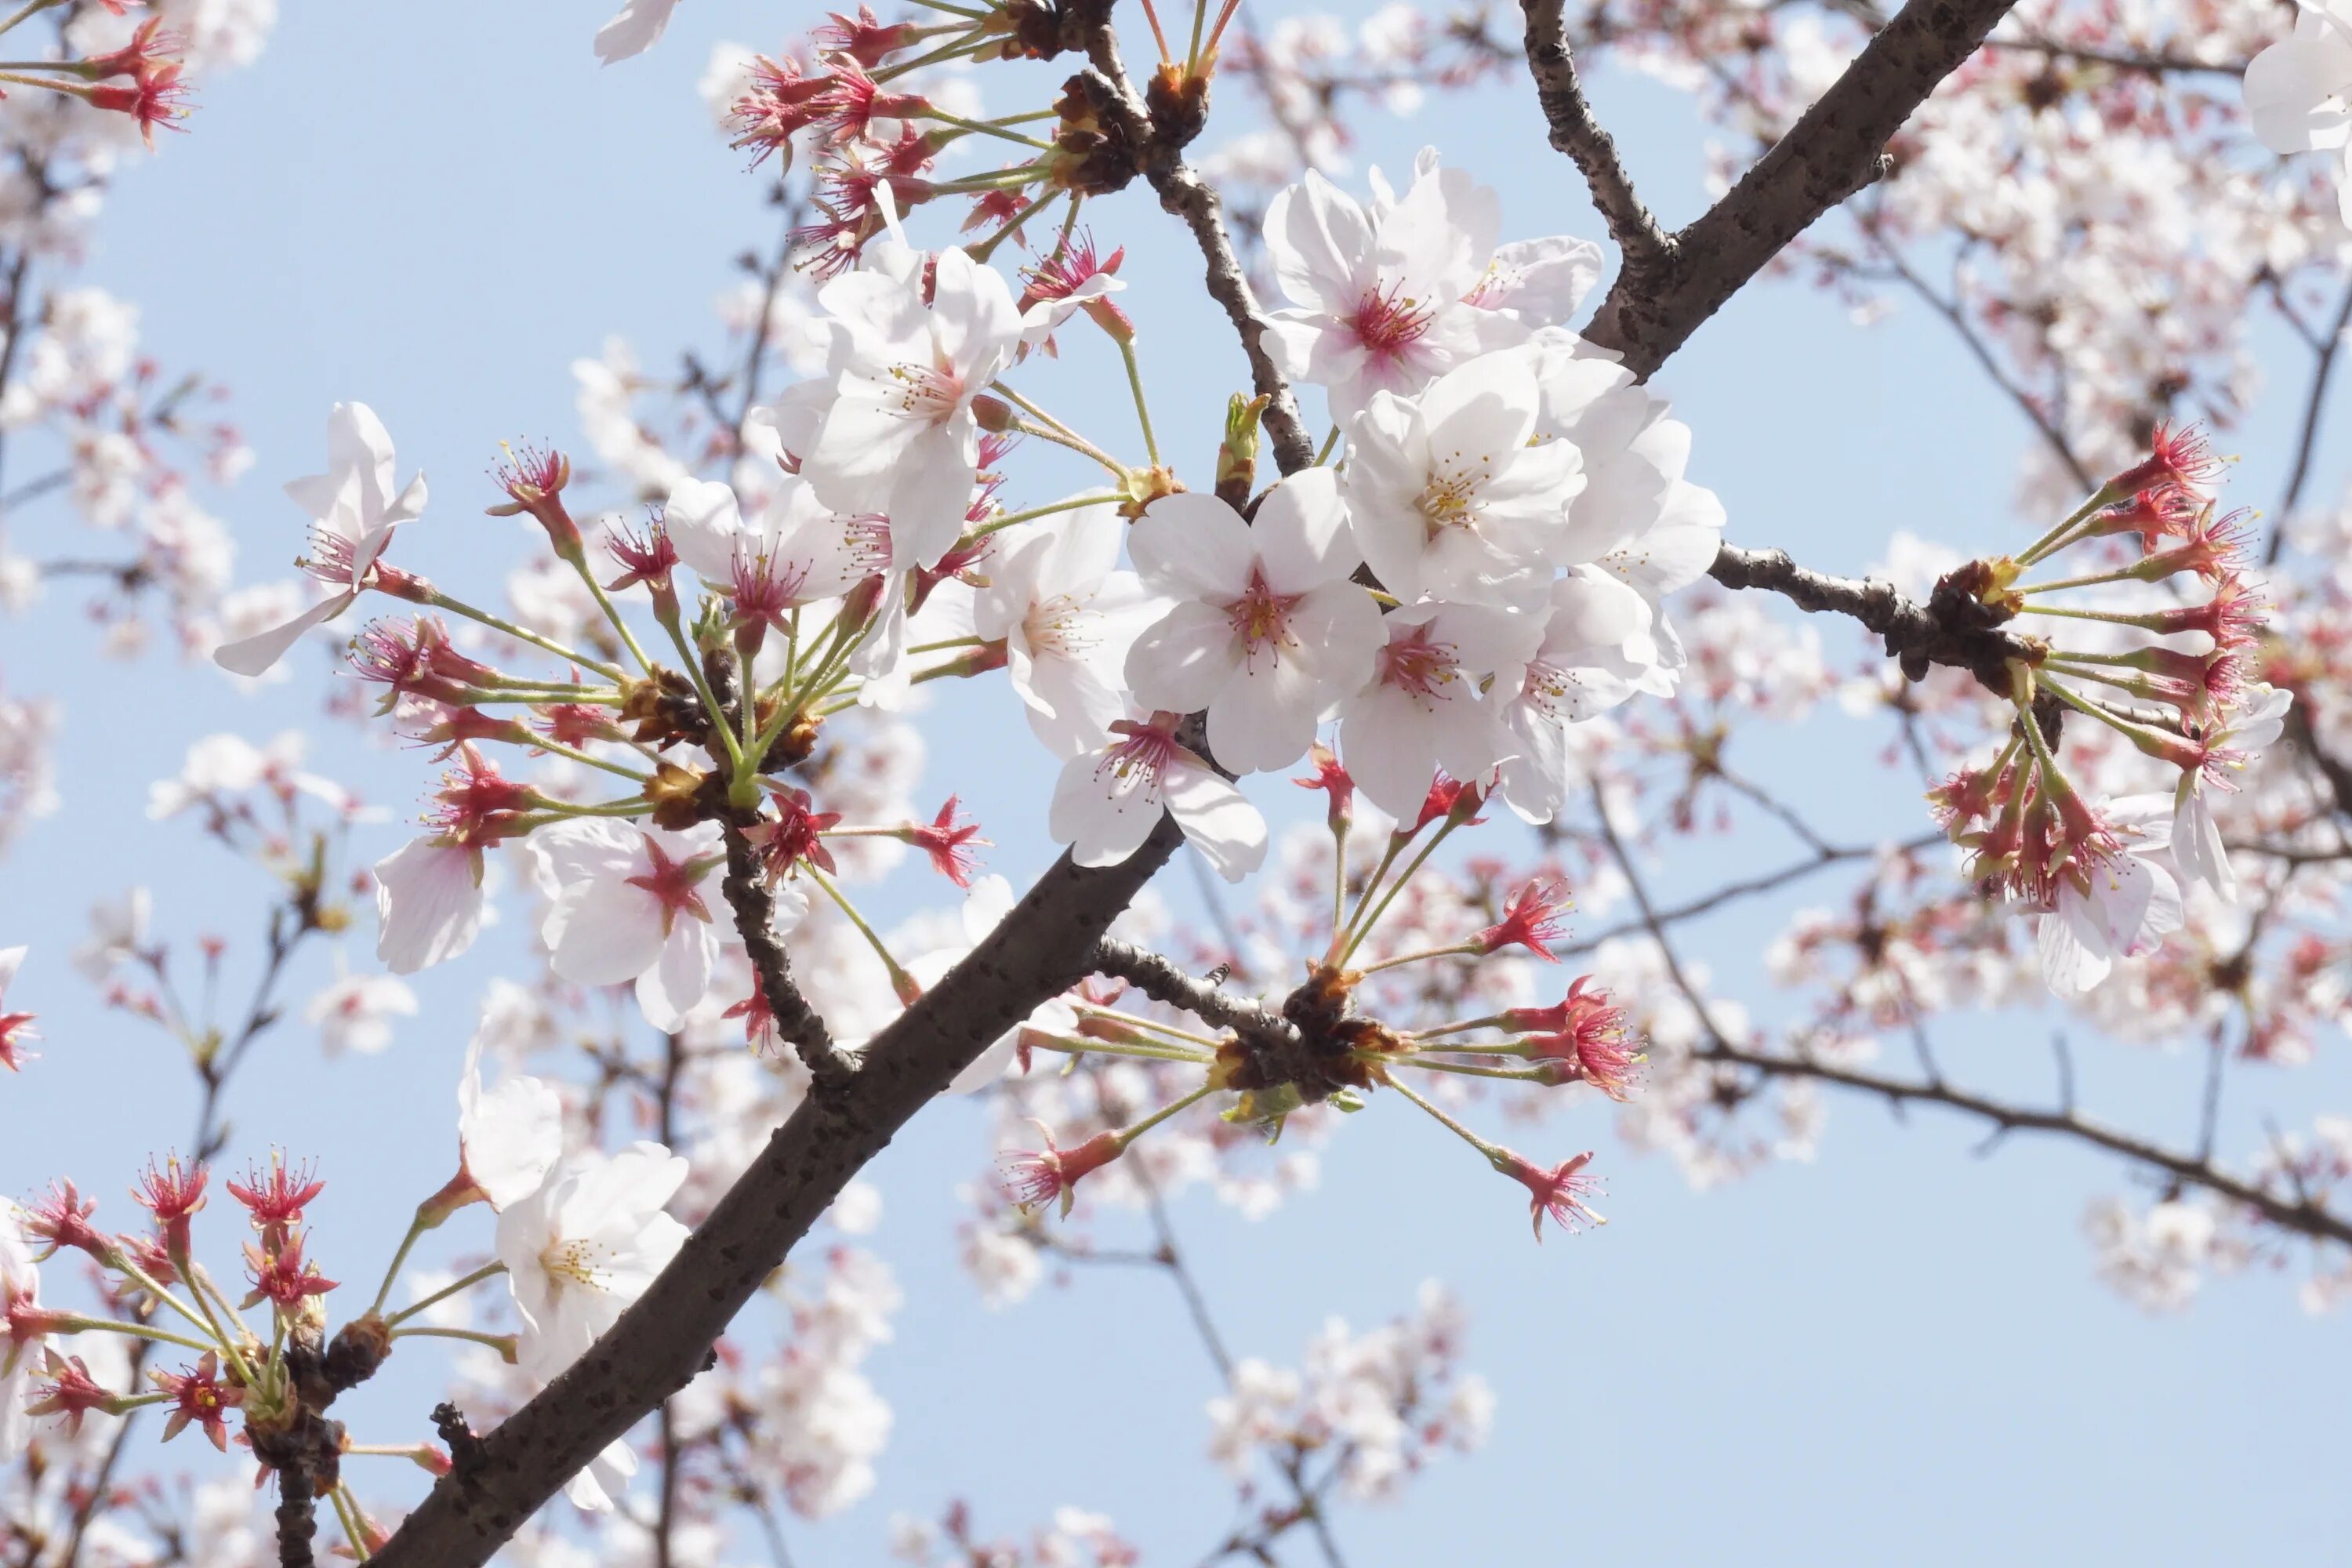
[747, 893]
[2302, 1215]
[1830, 153]
[664, 1340]
[1160, 978]
[1159, 144]
[1576, 132]
[2314, 403]
[1951, 628]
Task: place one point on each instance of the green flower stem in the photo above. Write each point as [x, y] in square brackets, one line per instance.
[903, 982]
[1142, 409]
[487, 1271]
[1491, 1151]
[1075, 1045]
[441, 601]
[995, 524]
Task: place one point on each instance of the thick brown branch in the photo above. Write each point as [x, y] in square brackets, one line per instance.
[664, 1340]
[1576, 132]
[1830, 153]
[1950, 630]
[746, 888]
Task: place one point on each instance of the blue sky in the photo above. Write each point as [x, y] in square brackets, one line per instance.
[1895, 1353]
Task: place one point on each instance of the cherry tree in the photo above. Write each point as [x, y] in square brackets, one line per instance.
[1449, 568]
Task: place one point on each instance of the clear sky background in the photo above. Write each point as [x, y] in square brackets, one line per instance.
[1895, 1354]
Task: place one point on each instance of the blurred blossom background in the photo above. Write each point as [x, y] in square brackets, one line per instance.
[1889, 1339]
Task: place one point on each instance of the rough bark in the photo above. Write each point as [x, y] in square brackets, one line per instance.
[662, 1342]
[1830, 153]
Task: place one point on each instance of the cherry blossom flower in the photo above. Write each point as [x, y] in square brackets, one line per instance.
[626, 905]
[1073, 277]
[197, 1394]
[899, 438]
[2299, 91]
[1033, 1179]
[1379, 295]
[2113, 901]
[68, 1392]
[21, 1342]
[584, 1245]
[1067, 620]
[1450, 499]
[1559, 1192]
[508, 1137]
[1266, 631]
[1423, 709]
[118, 934]
[1597, 647]
[797, 552]
[355, 1012]
[354, 511]
[1108, 800]
[15, 1028]
[2196, 838]
[1637, 514]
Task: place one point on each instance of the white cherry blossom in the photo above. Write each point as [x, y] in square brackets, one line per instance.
[1379, 295]
[2299, 91]
[353, 509]
[1068, 619]
[1267, 631]
[1423, 710]
[2196, 837]
[797, 552]
[509, 1136]
[2116, 905]
[1596, 651]
[899, 438]
[1108, 800]
[626, 904]
[1449, 499]
[584, 1245]
[355, 1012]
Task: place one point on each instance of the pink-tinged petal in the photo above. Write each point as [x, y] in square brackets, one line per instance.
[600, 933]
[2069, 968]
[930, 491]
[357, 443]
[973, 316]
